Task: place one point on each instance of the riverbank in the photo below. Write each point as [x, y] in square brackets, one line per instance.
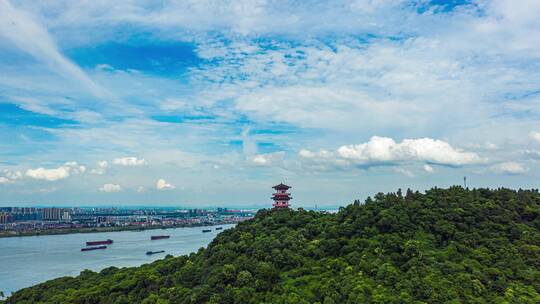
[27, 261]
[59, 231]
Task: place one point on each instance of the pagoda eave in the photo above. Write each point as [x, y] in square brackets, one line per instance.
[281, 187]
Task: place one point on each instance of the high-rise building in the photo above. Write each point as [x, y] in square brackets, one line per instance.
[52, 214]
[5, 218]
[66, 215]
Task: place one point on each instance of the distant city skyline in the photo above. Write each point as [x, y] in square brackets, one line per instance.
[212, 103]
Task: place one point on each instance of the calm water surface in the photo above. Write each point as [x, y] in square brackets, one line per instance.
[26, 261]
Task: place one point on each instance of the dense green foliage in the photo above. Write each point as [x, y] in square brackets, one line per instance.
[444, 246]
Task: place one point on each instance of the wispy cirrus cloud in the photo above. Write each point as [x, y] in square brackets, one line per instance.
[21, 29]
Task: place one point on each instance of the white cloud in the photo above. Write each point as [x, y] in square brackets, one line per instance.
[384, 150]
[428, 168]
[170, 104]
[322, 160]
[129, 161]
[491, 146]
[509, 168]
[241, 18]
[346, 86]
[110, 188]
[161, 184]
[64, 171]
[250, 151]
[456, 75]
[48, 190]
[405, 172]
[267, 158]
[249, 145]
[535, 136]
[534, 154]
[101, 168]
[13, 175]
[22, 30]
[10, 176]
[141, 189]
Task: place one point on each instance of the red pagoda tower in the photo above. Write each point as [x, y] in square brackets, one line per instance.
[281, 197]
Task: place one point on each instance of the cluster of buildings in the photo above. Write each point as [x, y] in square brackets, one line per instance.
[14, 220]
[22, 214]
[17, 219]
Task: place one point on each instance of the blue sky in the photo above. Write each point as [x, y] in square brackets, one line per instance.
[204, 103]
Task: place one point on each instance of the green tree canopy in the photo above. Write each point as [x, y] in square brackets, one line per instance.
[442, 246]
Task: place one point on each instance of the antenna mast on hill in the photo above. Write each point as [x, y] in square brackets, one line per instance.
[465, 182]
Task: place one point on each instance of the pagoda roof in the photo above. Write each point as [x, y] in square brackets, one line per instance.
[281, 186]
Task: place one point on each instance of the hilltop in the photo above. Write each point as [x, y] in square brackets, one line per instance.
[443, 246]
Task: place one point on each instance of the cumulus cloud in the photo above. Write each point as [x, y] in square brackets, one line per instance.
[322, 160]
[509, 168]
[267, 158]
[101, 168]
[428, 168]
[110, 188]
[384, 150]
[129, 161]
[9, 176]
[161, 184]
[64, 171]
[535, 136]
[13, 175]
[413, 71]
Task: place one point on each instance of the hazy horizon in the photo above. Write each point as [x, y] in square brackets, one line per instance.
[213, 103]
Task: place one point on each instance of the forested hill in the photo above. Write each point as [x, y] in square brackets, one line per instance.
[443, 246]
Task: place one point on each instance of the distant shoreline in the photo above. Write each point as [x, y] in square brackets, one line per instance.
[59, 231]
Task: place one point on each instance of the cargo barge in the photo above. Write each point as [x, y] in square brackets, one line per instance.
[159, 237]
[207, 230]
[106, 242]
[154, 252]
[94, 248]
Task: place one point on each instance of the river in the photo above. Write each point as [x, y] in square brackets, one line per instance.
[26, 261]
